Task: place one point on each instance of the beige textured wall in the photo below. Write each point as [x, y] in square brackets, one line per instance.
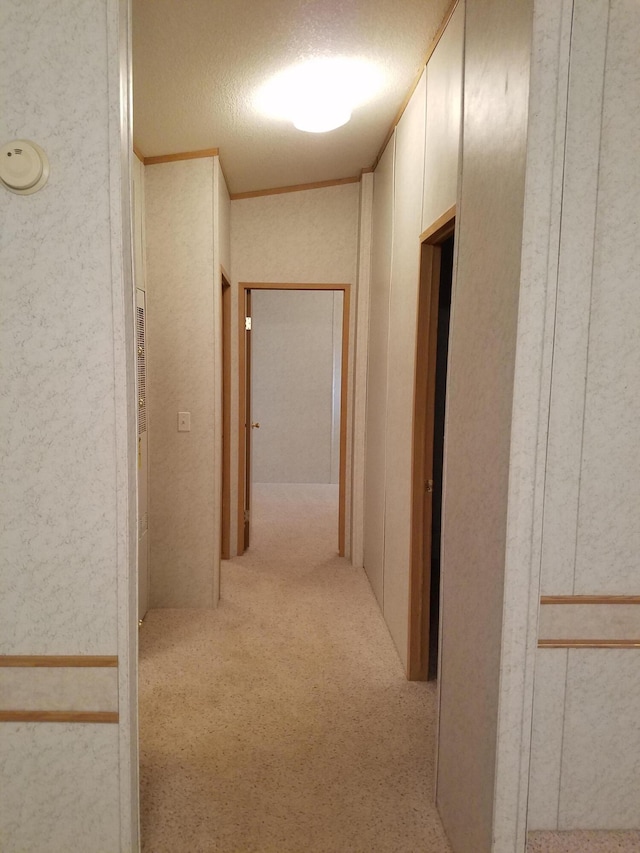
[478, 426]
[221, 261]
[292, 351]
[586, 735]
[139, 239]
[308, 236]
[361, 320]
[67, 430]
[376, 417]
[405, 275]
[404, 193]
[180, 328]
[139, 276]
[444, 108]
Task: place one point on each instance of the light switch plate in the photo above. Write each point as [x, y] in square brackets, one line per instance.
[184, 421]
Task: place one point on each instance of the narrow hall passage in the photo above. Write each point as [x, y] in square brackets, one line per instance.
[282, 721]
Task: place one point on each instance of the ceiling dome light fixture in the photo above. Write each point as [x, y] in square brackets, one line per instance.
[319, 95]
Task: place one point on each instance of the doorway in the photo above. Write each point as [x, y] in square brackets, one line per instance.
[225, 527]
[246, 425]
[434, 308]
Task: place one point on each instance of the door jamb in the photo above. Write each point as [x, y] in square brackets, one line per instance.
[342, 489]
[423, 426]
[225, 538]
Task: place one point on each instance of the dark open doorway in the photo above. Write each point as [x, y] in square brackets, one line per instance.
[442, 350]
[434, 308]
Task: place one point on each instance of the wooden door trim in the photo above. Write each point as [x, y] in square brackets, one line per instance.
[225, 539]
[441, 228]
[423, 430]
[344, 388]
[242, 414]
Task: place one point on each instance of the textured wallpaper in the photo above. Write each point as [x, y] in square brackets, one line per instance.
[405, 276]
[66, 349]
[586, 734]
[307, 236]
[302, 237]
[482, 352]
[180, 324]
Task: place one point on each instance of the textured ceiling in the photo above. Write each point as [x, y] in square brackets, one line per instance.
[197, 64]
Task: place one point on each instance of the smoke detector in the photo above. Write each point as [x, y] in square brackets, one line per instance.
[24, 167]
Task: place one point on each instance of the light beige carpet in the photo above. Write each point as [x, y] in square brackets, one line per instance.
[580, 841]
[282, 722]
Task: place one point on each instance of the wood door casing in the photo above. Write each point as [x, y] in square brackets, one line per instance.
[244, 413]
[247, 425]
[423, 442]
[225, 540]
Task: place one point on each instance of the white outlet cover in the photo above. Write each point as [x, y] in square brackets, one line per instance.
[24, 167]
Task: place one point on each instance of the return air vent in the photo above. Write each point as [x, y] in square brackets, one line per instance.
[141, 372]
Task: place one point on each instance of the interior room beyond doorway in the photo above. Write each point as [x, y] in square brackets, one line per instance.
[293, 344]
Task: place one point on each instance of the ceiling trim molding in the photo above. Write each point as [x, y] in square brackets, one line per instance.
[138, 153]
[434, 43]
[316, 185]
[184, 155]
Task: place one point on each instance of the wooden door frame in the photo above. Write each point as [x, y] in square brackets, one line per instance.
[225, 537]
[344, 379]
[423, 432]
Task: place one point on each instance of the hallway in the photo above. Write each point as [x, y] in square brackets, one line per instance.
[282, 722]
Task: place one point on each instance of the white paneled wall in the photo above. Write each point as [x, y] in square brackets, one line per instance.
[405, 275]
[67, 421]
[416, 177]
[586, 700]
[139, 240]
[361, 325]
[444, 109]
[180, 347]
[478, 438]
[376, 422]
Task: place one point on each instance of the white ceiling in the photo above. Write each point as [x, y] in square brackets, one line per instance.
[197, 63]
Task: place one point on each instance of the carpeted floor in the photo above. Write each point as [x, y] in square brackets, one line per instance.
[282, 722]
[584, 841]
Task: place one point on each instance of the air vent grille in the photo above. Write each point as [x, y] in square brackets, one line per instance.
[141, 371]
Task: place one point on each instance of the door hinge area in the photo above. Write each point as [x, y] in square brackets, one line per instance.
[247, 324]
[428, 486]
[246, 516]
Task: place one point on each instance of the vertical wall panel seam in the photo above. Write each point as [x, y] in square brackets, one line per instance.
[544, 401]
[548, 396]
[454, 277]
[118, 50]
[593, 252]
[575, 557]
[386, 410]
[565, 688]
[566, 661]
[365, 221]
[217, 383]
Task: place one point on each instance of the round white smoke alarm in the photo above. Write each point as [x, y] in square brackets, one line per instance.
[24, 167]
